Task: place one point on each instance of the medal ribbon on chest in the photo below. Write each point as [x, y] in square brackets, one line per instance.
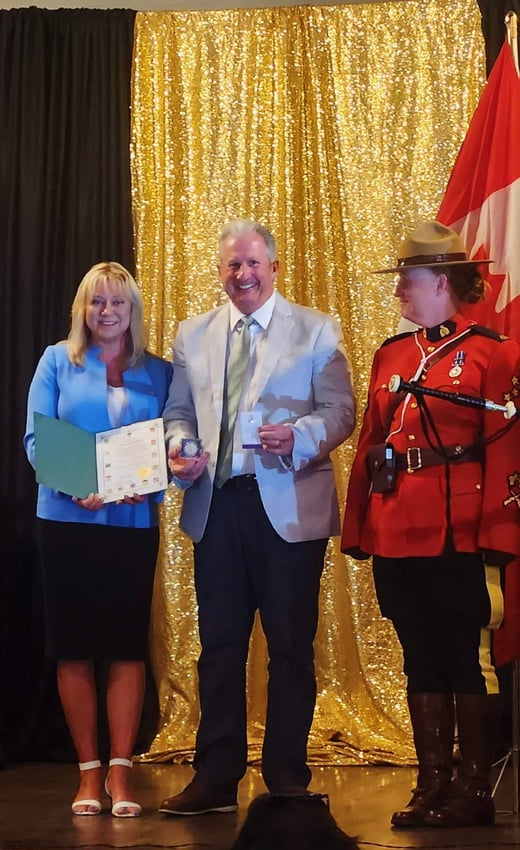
[458, 363]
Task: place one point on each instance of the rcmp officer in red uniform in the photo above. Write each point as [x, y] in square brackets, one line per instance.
[430, 499]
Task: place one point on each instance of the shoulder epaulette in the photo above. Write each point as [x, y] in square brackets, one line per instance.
[396, 337]
[489, 332]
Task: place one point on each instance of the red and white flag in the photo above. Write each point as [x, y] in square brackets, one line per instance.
[482, 203]
[482, 200]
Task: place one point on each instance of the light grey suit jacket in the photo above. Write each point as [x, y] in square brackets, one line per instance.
[304, 379]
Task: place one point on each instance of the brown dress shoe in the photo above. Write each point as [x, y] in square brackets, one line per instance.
[199, 797]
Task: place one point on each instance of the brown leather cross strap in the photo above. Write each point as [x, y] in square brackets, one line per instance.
[416, 458]
[400, 397]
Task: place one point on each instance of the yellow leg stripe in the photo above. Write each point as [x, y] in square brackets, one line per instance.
[496, 597]
[486, 666]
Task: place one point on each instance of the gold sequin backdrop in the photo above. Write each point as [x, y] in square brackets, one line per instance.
[337, 127]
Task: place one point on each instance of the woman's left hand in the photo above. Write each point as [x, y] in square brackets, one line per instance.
[134, 499]
[92, 502]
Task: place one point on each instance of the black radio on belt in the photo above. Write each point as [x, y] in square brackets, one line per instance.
[381, 467]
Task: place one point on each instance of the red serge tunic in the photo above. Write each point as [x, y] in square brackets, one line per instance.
[484, 504]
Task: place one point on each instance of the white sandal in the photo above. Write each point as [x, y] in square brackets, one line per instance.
[123, 808]
[94, 806]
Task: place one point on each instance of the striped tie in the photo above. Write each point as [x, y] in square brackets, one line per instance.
[236, 369]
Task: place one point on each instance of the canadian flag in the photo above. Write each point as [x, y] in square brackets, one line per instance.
[482, 200]
[482, 203]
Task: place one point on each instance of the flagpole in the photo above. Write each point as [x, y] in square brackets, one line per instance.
[511, 22]
[515, 737]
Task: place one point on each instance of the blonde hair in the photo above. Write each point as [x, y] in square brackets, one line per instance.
[109, 274]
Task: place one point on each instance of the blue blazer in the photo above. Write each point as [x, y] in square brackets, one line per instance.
[78, 394]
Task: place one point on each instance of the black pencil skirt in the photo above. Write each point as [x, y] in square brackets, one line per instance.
[97, 583]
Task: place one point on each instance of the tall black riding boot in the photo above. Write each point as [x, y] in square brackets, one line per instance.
[470, 802]
[432, 717]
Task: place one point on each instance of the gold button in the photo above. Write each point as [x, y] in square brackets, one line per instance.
[478, 486]
[413, 404]
[430, 349]
[411, 436]
[456, 383]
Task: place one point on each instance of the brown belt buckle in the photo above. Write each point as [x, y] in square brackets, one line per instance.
[413, 463]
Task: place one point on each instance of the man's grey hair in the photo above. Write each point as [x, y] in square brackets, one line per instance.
[241, 226]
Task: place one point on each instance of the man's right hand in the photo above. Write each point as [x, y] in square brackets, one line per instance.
[186, 468]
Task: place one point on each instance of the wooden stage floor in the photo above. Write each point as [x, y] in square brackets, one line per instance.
[35, 811]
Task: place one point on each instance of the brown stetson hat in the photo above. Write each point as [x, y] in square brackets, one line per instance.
[431, 244]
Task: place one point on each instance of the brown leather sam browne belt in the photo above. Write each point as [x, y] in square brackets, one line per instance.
[416, 458]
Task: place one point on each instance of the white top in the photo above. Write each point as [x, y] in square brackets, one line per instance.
[117, 401]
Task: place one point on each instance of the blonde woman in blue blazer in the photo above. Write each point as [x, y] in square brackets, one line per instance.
[98, 559]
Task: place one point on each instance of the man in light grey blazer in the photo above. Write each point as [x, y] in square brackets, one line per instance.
[261, 517]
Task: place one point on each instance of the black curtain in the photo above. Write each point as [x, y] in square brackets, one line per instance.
[65, 203]
[493, 15]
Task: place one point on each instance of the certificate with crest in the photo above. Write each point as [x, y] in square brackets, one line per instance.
[115, 463]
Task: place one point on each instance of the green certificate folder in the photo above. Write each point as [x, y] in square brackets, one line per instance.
[115, 463]
[65, 456]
